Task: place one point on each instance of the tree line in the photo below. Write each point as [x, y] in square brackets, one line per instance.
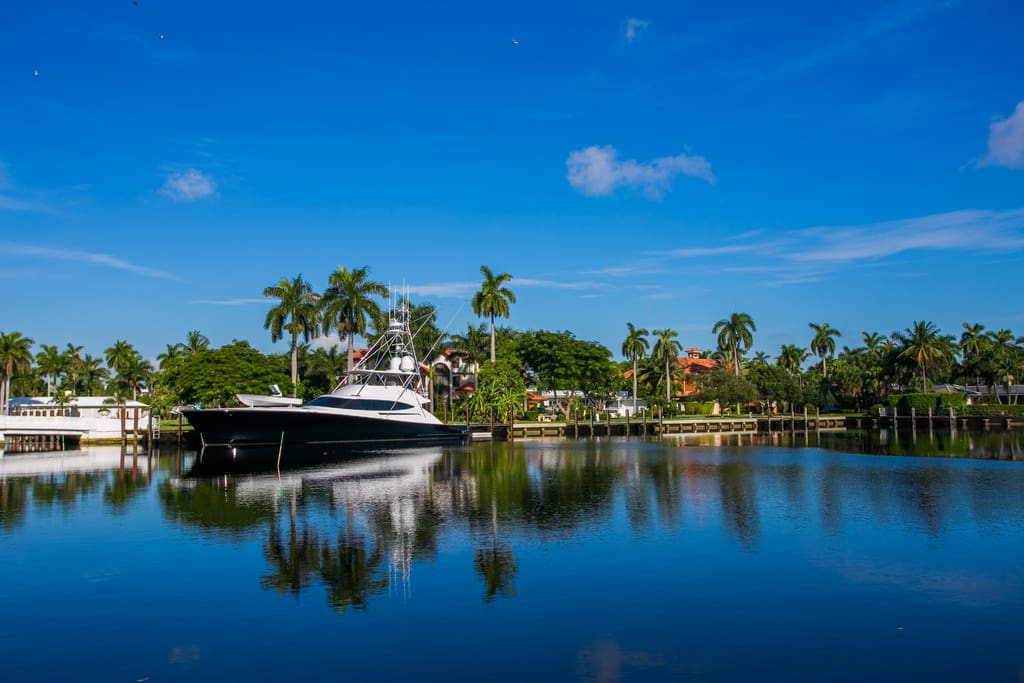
[580, 374]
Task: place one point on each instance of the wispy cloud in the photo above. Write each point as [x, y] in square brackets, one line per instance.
[230, 302]
[957, 230]
[634, 26]
[1006, 141]
[453, 290]
[596, 171]
[894, 18]
[710, 251]
[188, 186]
[526, 282]
[31, 250]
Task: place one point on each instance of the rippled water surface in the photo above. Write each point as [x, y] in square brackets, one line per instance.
[710, 559]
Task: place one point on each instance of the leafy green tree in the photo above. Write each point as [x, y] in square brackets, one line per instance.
[296, 313]
[728, 389]
[735, 334]
[15, 357]
[500, 387]
[774, 385]
[560, 362]
[634, 347]
[329, 364]
[349, 304]
[493, 300]
[666, 352]
[214, 376]
[823, 344]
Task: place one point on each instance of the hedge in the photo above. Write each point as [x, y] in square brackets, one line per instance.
[939, 403]
[698, 407]
[991, 410]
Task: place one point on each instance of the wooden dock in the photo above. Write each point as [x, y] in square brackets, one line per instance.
[735, 425]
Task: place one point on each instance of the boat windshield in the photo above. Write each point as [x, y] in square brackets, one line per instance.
[374, 404]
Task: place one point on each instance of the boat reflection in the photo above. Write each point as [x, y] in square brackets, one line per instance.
[358, 528]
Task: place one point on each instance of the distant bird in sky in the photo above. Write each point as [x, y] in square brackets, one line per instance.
[35, 72]
[161, 36]
[515, 42]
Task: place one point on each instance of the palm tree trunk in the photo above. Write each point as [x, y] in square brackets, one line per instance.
[668, 383]
[634, 386]
[736, 359]
[824, 368]
[492, 339]
[351, 355]
[295, 366]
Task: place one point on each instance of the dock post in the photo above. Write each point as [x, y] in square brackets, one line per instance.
[627, 422]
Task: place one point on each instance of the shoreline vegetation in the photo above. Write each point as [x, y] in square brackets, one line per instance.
[541, 375]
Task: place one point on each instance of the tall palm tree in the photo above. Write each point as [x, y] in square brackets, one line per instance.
[761, 358]
[634, 347]
[329, 363]
[824, 343]
[296, 313]
[49, 363]
[348, 304]
[666, 351]
[72, 364]
[120, 355]
[872, 341]
[972, 341]
[923, 343]
[15, 356]
[93, 373]
[134, 372]
[493, 299]
[735, 334]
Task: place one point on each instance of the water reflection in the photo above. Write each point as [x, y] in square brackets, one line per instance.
[357, 529]
[62, 480]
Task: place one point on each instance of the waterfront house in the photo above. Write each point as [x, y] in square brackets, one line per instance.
[81, 418]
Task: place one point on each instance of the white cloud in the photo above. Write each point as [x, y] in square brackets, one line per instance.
[595, 171]
[188, 186]
[526, 282]
[634, 26]
[1006, 141]
[82, 257]
[455, 290]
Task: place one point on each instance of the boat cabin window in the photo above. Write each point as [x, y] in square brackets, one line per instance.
[358, 403]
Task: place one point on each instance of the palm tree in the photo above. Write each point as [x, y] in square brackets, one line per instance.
[119, 355]
[134, 372]
[15, 356]
[49, 363]
[972, 340]
[761, 358]
[493, 299]
[173, 356]
[634, 347]
[348, 302]
[872, 341]
[735, 334]
[329, 363]
[295, 313]
[824, 343]
[92, 373]
[195, 341]
[72, 363]
[666, 351]
[923, 343]
[474, 342]
[791, 358]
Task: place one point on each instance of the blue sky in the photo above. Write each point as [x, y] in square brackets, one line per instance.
[663, 164]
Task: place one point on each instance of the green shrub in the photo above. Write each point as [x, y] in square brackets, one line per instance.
[992, 410]
[876, 409]
[921, 402]
[698, 407]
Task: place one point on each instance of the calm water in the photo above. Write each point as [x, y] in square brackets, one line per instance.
[704, 560]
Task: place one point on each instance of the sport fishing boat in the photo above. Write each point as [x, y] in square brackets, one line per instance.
[382, 403]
